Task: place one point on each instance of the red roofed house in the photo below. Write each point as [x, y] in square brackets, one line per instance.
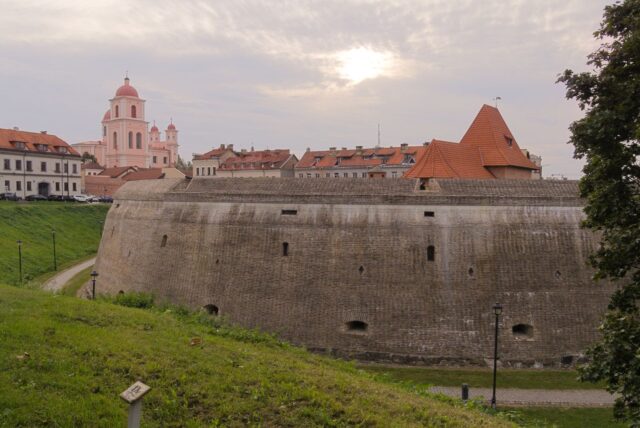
[37, 163]
[111, 179]
[487, 150]
[206, 165]
[377, 162]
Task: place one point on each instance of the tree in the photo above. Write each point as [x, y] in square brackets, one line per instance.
[86, 156]
[181, 164]
[608, 137]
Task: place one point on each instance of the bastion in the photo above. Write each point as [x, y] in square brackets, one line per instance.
[386, 270]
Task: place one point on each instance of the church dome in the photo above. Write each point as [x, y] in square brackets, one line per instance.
[171, 127]
[107, 116]
[154, 129]
[126, 90]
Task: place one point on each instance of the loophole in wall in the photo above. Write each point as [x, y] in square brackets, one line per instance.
[361, 270]
[431, 253]
[357, 326]
[164, 241]
[522, 331]
[211, 309]
[470, 272]
[557, 274]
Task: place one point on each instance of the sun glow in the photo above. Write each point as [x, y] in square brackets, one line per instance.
[359, 64]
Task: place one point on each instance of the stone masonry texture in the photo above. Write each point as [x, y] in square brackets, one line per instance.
[358, 251]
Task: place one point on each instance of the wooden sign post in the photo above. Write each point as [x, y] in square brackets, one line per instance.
[133, 395]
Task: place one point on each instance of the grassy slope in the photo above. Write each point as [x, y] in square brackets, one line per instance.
[77, 226]
[72, 287]
[483, 378]
[82, 354]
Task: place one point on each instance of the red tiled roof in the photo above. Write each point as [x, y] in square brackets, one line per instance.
[492, 136]
[394, 156]
[91, 165]
[144, 174]
[49, 143]
[117, 171]
[443, 159]
[263, 159]
[212, 153]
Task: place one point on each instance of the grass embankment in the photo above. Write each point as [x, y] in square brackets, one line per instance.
[78, 228]
[63, 362]
[483, 378]
[72, 287]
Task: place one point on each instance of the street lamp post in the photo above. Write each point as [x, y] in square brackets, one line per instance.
[94, 274]
[20, 259]
[55, 261]
[497, 310]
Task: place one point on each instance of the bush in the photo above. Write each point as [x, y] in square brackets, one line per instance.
[134, 300]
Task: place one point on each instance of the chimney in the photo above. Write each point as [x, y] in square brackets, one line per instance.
[403, 146]
[308, 149]
[358, 147]
[222, 146]
[333, 149]
[344, 148]
[43, 132]
[230, 146]
[243, 150]
[358, 150]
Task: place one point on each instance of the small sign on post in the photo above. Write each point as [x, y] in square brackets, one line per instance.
[133, 395]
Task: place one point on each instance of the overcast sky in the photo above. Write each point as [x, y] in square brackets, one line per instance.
[298, 74]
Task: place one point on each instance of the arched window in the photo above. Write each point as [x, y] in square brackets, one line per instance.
[133, 111]
[130, 140]
[138, 140]
[117, 111]
[115, 140]
[104, 131]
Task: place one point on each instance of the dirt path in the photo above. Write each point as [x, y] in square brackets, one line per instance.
[56, 282]
[536, 397]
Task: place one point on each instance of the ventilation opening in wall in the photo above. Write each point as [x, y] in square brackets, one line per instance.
[522, 331]
[566, 360]
[357, 326]
[164, 241]
[429, 214]
[289, 212]
[211, 309]
[285, 249]
[470, 272]
[431, 253]
[361, 270]
[557, 274]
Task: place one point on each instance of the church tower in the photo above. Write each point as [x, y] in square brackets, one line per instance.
[172, 143]
[125, 130]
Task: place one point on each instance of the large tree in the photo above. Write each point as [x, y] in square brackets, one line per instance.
[608, 138]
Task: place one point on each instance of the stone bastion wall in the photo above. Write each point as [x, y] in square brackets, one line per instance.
[380, 270]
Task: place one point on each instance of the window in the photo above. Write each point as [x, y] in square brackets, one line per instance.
[57, 167]
[115, 140]
[138, 140]
[18, 185]
[328, 175]
[289, 212]
[394, 174]
[356, 326]
[164, 160]
[117, 111]
[104, 131]
[75, 168]
[130, 140]
[61, 149]
[28, 186]
[7, 164]
[43, 166]
[336, 175]
[133, 111]
[346, 174]
[355, 175]
[18, 165]
[522, 331]
[7, 185]
[29, 166]
[66, 187]
[73, 186]
[317, 175]
[208, 170]
[164, 241]
[155, 159]
[509, 141]
[66, 168]
[301, 175]
[19, 145]
[197, 169]
[431, 253]
[308, 175]
[429, 214]
[57, 187]
[285, 249]
[364, 175]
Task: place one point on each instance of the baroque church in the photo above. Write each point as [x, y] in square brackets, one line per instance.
[126, 140]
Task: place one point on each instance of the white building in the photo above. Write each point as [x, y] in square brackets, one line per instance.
[37, 163]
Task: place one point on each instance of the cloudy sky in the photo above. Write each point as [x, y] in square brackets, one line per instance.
[298, 74]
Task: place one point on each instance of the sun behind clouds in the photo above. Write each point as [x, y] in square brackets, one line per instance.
[358, 64]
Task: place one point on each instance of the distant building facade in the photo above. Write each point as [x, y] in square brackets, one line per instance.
[126, 140]
[225, 162]
[38, 163]
[377, 162]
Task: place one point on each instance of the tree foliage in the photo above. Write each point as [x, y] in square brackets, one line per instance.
[88, 157]
[608, 137]
[181, 164]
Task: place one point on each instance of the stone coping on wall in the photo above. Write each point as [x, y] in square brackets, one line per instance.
[357, 191]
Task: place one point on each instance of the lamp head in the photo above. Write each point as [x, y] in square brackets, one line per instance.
[94, 274]
[497, 309]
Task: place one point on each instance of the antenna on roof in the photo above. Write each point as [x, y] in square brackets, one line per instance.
[496, 99]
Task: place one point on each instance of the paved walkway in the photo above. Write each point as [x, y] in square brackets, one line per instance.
[58, 281]
[536, 397]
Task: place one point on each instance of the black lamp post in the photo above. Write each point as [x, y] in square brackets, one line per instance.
[497, 310]
[20, 259]
[55, 261]
[94, 274]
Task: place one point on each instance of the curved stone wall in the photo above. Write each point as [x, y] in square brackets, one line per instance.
[374, 269]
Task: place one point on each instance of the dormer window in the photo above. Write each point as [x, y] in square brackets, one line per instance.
[408, 159]
[509, 141]
[19, 145]
[61, 149]
[41, 147]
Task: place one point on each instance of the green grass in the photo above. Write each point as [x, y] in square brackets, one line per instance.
[63, 362]
[78, 228]
[81, 278]
[568, 417]
[482, 378]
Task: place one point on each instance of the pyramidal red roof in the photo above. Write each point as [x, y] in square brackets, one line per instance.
[492, 136]
[488, 142]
